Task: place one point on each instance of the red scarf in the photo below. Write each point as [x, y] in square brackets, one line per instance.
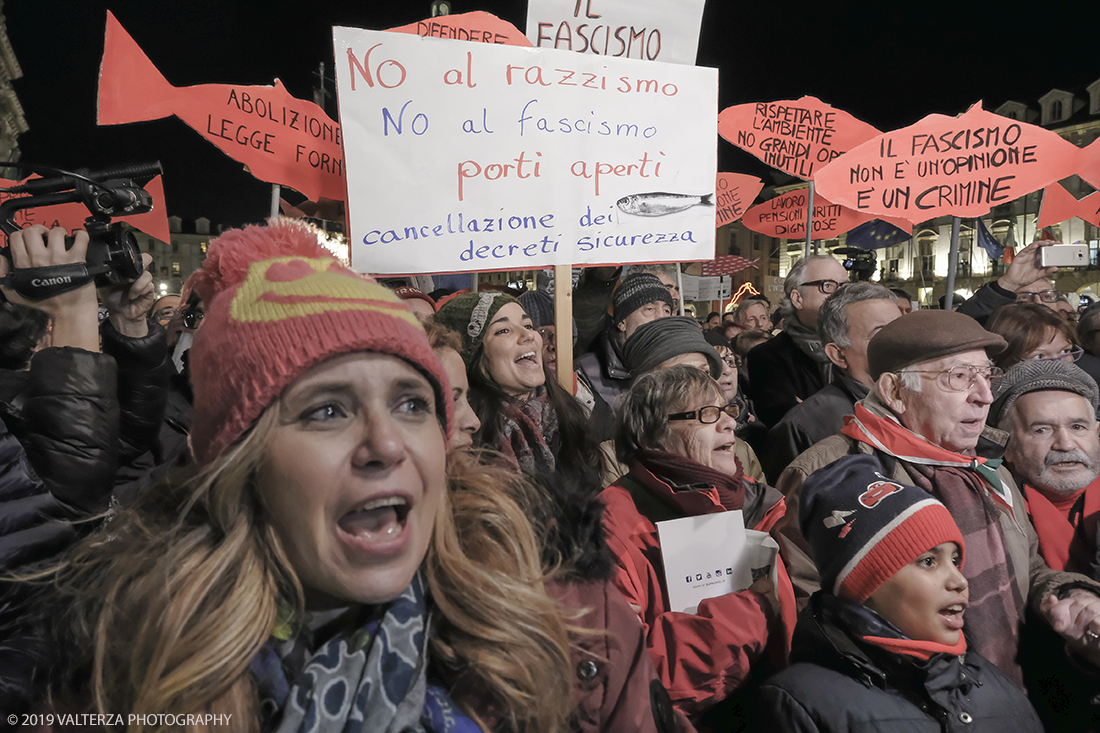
[1065, 541]
[922, 650]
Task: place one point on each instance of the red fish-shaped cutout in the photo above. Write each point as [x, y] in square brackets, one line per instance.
[948, 166]
[477, 26]
[734, 194]
[281, 139]
[784, 217]
[1090, 164]
[71, 216]
[798, 137]
[1059, 205]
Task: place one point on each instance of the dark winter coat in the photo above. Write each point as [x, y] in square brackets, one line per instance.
[603, 368]
[813, 420]
[72, 415]
[985, 300]
[838, 683]
[780, 375]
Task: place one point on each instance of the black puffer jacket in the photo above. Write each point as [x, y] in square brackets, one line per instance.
[840, 684]
[65, 413]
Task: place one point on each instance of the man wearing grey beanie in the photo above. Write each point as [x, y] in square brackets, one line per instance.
[1048, 408]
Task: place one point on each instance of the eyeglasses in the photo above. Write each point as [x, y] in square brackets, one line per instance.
[1046, 296]
[732, 361]
[961, 376]
[826, 286]
[1065, 355]
[548, 336]
[164, 314]
[192, 317]
[709, 414]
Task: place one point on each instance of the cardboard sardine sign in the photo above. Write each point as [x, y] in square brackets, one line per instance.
[281, 139]
[735, 194]
[798, 137]
[1090, 164]
[72, 215]
[476, 157]
[948, 166]
[784, 217]
[1060, 205]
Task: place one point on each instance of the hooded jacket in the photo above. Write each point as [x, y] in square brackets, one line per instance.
[838, 683]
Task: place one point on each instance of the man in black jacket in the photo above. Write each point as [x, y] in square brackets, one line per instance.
[846, 323]
[792, 366]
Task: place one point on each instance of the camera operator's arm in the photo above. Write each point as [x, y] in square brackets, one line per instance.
[140, 349]
[70, 413]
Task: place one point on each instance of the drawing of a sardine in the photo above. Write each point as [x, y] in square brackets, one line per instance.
[659, 204]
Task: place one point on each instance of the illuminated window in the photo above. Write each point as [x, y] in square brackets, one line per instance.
[175, 267]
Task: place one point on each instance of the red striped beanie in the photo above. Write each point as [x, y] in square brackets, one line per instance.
[863, 527]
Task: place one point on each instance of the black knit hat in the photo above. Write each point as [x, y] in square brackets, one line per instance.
[635, 291]
[654, 342]
[863, 527]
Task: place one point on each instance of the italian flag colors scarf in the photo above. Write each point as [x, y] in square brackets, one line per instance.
[889, 436]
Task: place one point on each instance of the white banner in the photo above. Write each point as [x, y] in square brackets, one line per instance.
[706, 288]
[654, 30]
[476, 157]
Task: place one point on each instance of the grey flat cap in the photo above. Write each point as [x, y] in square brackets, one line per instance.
[1036, 375]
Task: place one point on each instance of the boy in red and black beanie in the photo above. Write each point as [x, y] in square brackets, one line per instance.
[881, 645]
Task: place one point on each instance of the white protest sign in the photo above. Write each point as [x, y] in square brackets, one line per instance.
[710, 555]
[714, 288]
[475, 157]
[654, 31]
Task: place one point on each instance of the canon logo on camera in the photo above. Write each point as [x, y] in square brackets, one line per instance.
[46, 282]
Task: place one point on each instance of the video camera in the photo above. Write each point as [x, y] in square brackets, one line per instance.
[114, 257]
[860, 261]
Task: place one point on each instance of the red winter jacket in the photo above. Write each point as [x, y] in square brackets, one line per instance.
[703, 658]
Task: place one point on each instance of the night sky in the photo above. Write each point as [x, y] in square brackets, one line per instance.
[888, 63]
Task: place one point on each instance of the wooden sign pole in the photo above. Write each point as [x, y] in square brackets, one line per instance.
[563, 321]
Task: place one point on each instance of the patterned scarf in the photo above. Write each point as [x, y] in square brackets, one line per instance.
[530, 429]
[809, 343]
[968, 487]
[370, 676]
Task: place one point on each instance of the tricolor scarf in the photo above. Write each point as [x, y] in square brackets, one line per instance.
[969, 488]
[530, 429]
[370, 676]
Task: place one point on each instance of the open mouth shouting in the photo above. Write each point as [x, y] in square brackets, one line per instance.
[377, 523]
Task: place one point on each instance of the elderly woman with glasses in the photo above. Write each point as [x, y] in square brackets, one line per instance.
[675, 432]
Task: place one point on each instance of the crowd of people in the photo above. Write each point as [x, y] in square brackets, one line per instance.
[292, 499]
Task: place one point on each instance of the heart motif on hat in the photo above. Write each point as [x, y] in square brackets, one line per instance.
[295, 286]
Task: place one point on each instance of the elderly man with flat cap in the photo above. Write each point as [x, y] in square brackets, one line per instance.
[1048, 409]
[923, 420]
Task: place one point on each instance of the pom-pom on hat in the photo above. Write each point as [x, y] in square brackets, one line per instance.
[469, 315]
[276, 304]
[863, 527]
[634, 291]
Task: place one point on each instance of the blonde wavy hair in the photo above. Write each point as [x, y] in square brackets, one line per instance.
[163, 608]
